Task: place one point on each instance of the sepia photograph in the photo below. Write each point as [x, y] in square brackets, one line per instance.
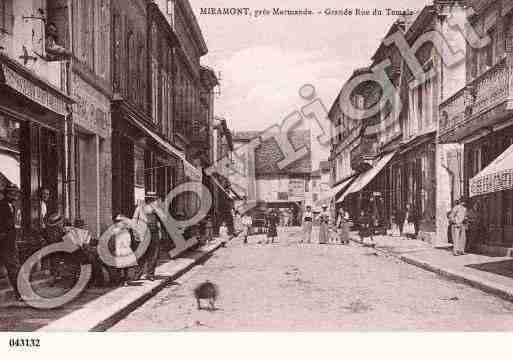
[191, 166]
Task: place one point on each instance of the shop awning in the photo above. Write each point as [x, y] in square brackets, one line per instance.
[221, 187]
[192, 172]
[497, 176]
[363, 179]
[325, 198]
[10, 168]
[240, 192]
[235, 195]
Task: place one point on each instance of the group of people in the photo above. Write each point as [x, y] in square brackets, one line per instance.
[405, 222]
[327, 234]
[286, 217]
[53, 228]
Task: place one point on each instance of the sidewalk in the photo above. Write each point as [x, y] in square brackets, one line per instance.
[98, 308]
[493, 275]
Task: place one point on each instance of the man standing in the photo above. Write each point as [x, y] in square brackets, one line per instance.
[43, 212]
[247, 222]
[8, 246]
[458, 220]
[324, 221]
[44, 197]
[308, 218]
[343, 226]
[147, 214]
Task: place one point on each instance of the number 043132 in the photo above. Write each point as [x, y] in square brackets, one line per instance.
[24, 343]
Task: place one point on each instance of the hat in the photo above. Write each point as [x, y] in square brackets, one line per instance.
[11, 188]
[150, 195]
[120, 217]
[54, 220]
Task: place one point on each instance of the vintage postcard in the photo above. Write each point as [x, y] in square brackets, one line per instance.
[288, 166]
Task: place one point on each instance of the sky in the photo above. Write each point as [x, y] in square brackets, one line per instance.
[264, 61]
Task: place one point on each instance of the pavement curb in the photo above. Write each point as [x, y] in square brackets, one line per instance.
[93, 319]
[484, 285]
[455, 275]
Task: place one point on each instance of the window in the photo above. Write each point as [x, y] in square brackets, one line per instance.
[474, 62]
[420, 105]
[131, 68]
[6, 16]
[141, 73]
[163, 100]
[490, 49]
[476, 161]
[117, 43]
[86, 19]
[430, 94]
[103, 39]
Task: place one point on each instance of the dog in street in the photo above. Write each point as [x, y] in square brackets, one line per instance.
[206, 291]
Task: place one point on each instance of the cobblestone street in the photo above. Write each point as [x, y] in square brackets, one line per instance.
[292, 286]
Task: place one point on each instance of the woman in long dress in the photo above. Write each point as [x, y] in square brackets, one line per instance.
[123, 238]
[343, 226]
[308, 218]
[324, 220]
[272, 221]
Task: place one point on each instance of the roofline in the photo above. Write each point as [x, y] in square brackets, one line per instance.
[186, 6]
[157, 14]
[395, 25]
[355, 73]
[427, 14]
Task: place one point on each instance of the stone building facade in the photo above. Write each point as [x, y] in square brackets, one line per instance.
[399, 160]
[476, 121]
[91, 108]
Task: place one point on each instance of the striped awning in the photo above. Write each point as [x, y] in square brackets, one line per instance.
[497, 176]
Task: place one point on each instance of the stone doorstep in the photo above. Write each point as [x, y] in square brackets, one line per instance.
[98, 316]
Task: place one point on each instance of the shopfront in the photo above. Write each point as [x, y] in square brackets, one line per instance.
[142, 161]
[91, 153]
[367, 190]
[33, 117]
[412, 181]
[489, 183]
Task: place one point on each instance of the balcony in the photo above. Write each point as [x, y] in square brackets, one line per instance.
[482, 103]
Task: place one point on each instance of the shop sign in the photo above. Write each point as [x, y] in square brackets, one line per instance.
[92, 108]
[34, 92]
[296, 189]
